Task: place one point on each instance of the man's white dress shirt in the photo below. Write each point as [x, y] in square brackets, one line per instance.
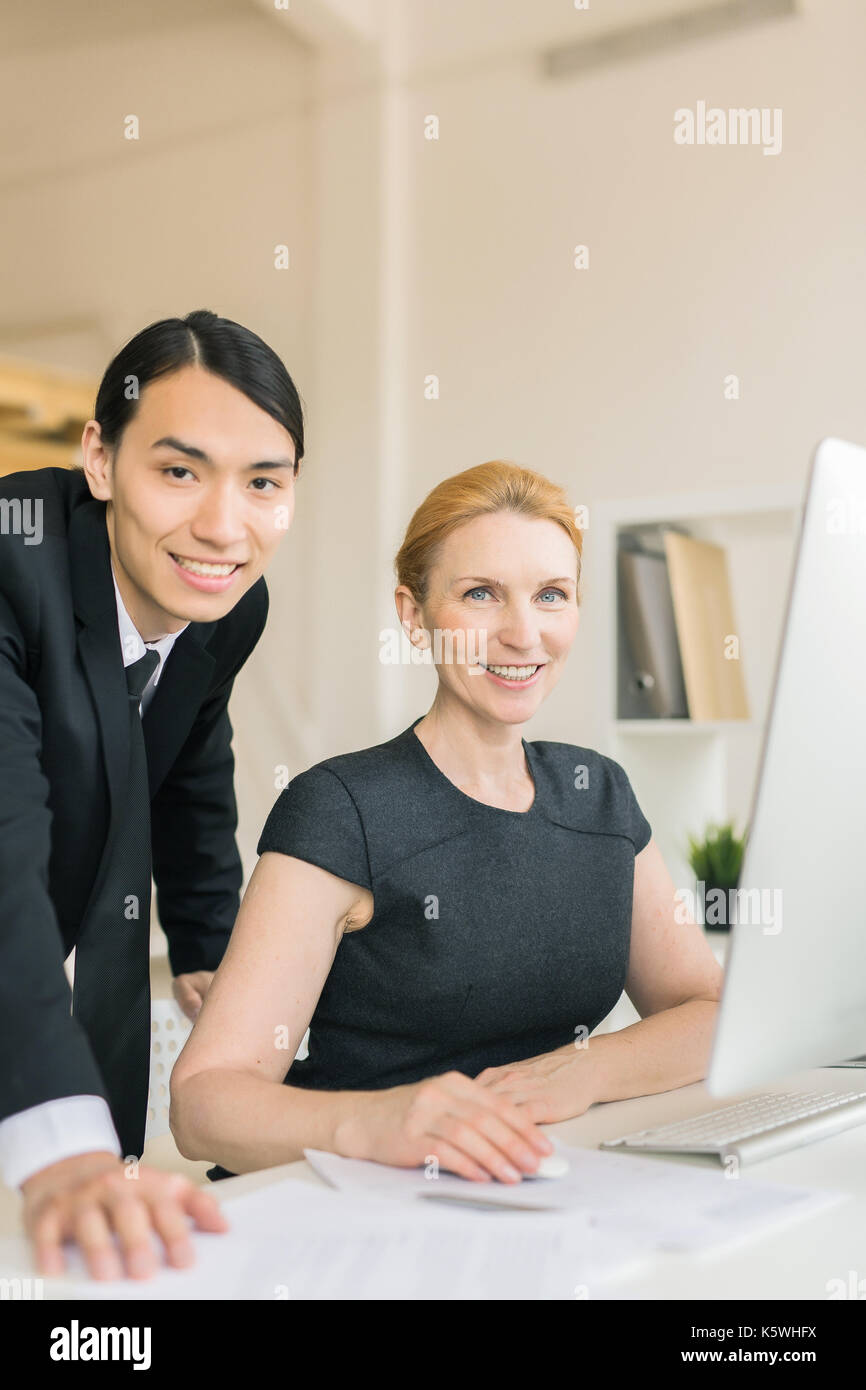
[57, 1129]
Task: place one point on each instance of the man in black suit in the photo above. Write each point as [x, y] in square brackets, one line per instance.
[131, 593]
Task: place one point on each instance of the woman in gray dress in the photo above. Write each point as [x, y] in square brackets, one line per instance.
[454, 911]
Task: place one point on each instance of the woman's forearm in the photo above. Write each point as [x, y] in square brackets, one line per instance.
[660, 1053]
[245, 1122]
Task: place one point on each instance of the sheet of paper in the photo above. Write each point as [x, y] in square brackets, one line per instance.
[219, 1271]
[671, 1205]
[377, 1238]
[348, 1246]
[293, 1240]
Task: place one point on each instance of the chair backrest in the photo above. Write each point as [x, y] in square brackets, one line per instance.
[169, 1030]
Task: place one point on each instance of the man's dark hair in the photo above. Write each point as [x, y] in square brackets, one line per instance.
[202, 339]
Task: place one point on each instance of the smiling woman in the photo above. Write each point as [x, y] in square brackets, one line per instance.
[522, 616]
[454, 911]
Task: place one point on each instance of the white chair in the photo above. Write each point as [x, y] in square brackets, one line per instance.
[169, 1030]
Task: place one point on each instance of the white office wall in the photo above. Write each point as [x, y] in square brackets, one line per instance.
[704, 261]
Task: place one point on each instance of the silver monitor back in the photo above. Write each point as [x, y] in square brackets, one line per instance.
[794, 994]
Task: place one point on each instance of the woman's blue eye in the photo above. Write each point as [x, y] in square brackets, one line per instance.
[473, 593]
[557, 593]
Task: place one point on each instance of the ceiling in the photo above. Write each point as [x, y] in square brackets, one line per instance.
[444, 33]
[456, 33]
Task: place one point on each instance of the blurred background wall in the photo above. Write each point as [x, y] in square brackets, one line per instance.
[451, 258]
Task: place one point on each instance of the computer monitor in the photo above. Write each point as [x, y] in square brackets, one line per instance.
[794, 993]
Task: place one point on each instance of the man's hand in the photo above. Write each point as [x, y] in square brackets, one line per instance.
[92, 1198]
[190, 990]
[555, 1086]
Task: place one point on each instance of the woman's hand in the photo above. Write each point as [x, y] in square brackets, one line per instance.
[466, 1127]
[555, 1086]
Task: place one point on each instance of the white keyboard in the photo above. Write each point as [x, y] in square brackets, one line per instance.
[755, 1128]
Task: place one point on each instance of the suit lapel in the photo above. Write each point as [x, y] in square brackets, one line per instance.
[99, 646]
[183, 683]
[180, 692]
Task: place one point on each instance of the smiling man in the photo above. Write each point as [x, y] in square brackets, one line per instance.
[122, 629]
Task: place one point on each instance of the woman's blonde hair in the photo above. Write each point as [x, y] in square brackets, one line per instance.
[489, 487]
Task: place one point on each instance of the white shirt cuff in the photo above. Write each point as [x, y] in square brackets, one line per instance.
[57, 1129]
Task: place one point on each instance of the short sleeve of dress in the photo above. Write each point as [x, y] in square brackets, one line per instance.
[316, 819]
[637, 827]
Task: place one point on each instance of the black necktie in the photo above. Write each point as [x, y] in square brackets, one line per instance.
[139, 673]
[111, 991]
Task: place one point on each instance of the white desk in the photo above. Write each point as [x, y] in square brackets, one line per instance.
[793, 1262]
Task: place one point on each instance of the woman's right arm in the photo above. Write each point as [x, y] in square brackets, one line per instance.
[228, 1101]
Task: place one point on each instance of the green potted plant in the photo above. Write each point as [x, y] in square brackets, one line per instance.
[716, 861]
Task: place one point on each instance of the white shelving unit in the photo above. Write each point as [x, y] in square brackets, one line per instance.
[686, 774]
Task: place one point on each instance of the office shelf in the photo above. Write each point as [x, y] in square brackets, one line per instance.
[687, 773]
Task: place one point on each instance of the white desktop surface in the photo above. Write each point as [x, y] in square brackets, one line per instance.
[794, 1261]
